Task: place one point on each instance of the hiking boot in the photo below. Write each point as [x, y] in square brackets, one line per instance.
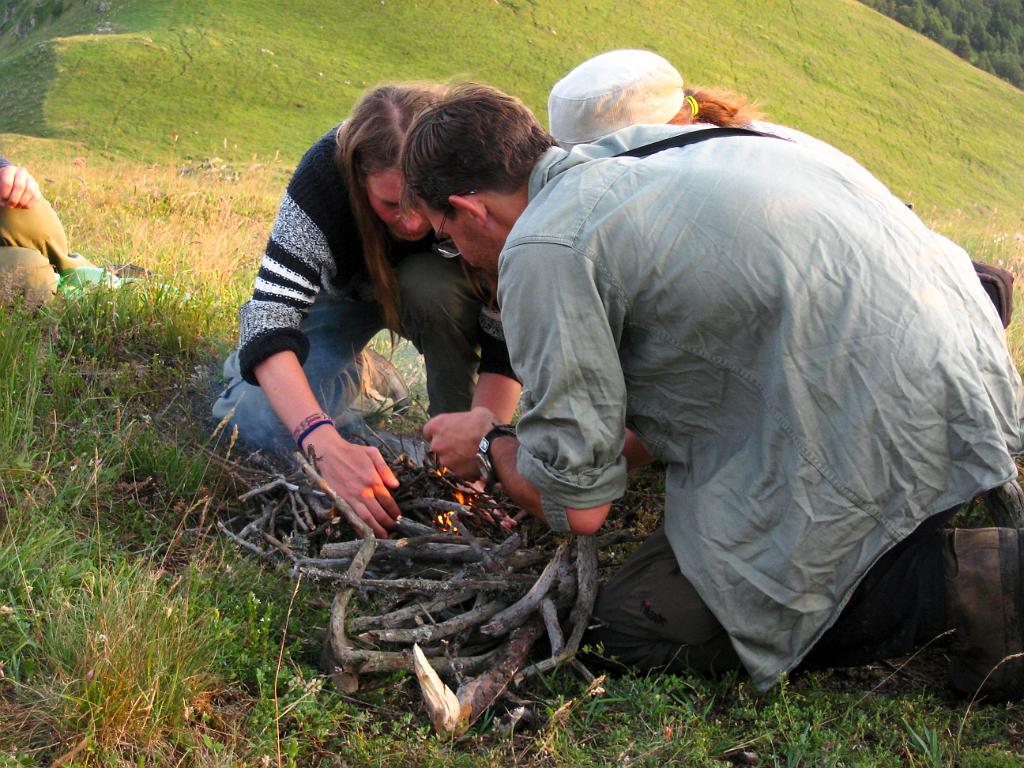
[1005, 505]
[985, 606]
[381, 386]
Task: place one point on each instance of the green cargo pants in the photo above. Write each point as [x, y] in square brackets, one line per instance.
[648, 616]
[33, 252]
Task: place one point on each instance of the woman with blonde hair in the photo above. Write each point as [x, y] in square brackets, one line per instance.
[343, 262]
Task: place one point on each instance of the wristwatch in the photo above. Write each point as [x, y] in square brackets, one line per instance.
[483, 452]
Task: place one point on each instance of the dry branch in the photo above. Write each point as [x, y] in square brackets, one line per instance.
[438, 547]
[586, 594]
[476, 695]
[277, 482]
[364, 662]
[409, 613]
[455, 581]
[336, 639]
[428, 633]
[555, 637]
[435, 586]
[517, 613]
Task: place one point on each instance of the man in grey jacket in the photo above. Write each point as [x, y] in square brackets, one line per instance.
[824, 383]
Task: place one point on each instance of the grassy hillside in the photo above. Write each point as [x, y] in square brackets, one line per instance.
[131, 632]
[238, 77]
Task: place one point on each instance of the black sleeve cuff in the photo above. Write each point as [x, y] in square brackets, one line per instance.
[262, 347]
[494, 357]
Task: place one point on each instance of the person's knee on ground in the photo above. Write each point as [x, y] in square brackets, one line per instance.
[244, 407]
[985, 607]
[337, 329]
[964, 582]
[898, 607]
[648, 617]
[440, 315]
[26, 273]
[40, 229]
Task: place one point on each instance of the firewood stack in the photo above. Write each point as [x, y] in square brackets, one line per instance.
[463, 590]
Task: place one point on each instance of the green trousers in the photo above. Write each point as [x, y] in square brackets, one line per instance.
[648, 616]
[33, 252]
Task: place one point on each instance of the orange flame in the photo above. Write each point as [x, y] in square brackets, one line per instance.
[443, 522]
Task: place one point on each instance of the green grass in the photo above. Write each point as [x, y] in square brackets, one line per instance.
[130, 634]
[238, 78]
[108, 491]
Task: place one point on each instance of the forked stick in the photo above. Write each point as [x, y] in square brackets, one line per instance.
[517, 613]
[586, 595]
[337, 642]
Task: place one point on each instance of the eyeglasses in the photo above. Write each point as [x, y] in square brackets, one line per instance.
[444, 245]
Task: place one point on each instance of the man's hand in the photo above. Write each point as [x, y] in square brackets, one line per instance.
[454, 437]
[359, 475]
[17, 188]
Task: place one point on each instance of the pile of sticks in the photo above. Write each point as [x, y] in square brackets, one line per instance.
[461, 591]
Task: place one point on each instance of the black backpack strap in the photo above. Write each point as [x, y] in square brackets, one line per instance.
[691, 137]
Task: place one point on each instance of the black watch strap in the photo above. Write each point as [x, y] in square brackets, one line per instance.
[497, 431]
[483, 452]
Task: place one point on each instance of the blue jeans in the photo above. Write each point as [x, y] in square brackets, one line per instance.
[439, 314]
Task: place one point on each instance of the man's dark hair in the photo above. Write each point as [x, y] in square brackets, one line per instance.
[475, 138]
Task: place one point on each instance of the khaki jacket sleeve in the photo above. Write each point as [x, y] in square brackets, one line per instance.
[563, 323]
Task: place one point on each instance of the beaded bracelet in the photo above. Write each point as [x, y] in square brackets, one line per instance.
[308, 424]
[310, 429]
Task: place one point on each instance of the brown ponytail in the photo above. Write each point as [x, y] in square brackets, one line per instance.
[369, 142]
[726, 109]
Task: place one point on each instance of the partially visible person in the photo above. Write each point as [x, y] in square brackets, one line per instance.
[620, 88]
[823, 384]
[34, 251]
[343, 262]
[626, 87]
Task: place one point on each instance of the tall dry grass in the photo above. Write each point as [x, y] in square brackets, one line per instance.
[201, 227]
[127, 662]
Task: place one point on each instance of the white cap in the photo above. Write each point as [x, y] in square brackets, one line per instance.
[612, 91]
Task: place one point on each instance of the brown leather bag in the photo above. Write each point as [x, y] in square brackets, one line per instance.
[998, 284]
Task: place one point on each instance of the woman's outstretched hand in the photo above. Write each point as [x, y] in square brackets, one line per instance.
[359, 475]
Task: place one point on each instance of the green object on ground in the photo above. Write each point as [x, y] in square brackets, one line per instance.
[74, 281]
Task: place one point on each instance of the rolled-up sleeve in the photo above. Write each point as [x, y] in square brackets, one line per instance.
[563, 325]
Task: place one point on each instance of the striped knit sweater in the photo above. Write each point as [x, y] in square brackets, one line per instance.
[314, 245]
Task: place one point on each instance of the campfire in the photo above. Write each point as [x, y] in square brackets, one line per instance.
[462, 591]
